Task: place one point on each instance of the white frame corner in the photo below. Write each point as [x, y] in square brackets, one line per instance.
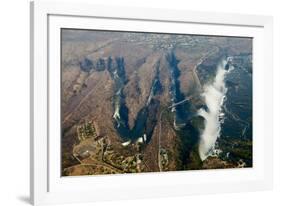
[40, 13]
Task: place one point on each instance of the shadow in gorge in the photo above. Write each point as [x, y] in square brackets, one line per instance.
[189, 137]
[146, 119]
[188, 133]
[181, 111]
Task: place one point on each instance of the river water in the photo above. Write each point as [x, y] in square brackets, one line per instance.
[146, 118]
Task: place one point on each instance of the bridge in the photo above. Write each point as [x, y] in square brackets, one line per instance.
[160, 128]
[178, 103]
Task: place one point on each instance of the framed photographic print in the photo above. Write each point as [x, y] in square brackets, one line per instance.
[133, 103]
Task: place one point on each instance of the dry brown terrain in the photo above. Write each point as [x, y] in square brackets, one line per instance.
[87, 97]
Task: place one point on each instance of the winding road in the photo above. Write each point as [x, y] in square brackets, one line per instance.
[160, 129]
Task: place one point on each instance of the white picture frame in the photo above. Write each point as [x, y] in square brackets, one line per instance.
[47, 18]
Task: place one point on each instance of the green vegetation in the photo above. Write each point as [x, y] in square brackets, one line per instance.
[236, 149]
[86, 131]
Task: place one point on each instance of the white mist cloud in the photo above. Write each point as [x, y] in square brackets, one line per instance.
[214, 95]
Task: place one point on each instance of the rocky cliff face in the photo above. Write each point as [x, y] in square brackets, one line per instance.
[121, 83]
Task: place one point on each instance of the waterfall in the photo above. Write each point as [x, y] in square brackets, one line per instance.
[214, 95]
